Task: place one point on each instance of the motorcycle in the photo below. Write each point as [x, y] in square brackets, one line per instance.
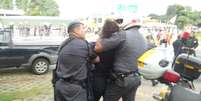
[178, 77]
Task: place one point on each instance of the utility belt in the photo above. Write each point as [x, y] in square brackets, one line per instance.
[120, 75]
[77, 82]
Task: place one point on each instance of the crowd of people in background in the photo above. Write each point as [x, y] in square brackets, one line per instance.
[165, 38]
[24, 30]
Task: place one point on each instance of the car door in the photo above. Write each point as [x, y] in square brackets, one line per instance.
[21, 54]
[10, 56]
[4, 45]
[14, 56]
[4, 57]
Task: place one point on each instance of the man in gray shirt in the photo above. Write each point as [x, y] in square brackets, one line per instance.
[130, 44]
[72, 66]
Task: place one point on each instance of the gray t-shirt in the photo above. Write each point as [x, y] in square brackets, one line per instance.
[130, 45]
[72, 60]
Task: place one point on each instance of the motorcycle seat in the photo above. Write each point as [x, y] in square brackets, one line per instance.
[179, 93]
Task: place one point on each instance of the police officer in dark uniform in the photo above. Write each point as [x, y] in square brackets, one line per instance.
[72, 66]
[131, 44]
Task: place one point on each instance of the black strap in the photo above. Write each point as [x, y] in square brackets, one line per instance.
[121, 75]
[89, 80]
[54, 75]
[65, 43]
[88, 49]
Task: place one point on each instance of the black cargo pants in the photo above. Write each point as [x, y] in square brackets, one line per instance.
[122, 88]
[66, 91]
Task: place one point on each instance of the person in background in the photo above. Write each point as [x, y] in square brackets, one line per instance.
[162, 38]
[177, 45]
[192, 44]
[184, 44]
[150, 42]
[189, 43]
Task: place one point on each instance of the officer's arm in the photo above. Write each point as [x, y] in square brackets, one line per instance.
[112, 42]
[92, 54]
[98, 47]
[94, 57]
[96, 60]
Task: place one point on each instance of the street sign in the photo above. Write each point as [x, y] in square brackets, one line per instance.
[132, 8]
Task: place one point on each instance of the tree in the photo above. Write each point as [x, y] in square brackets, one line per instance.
[6, 4]
[185, 16]
[171, 10]
[196, 16]
[39, 7]
[154, 16]
[33, 7]
[182, 21]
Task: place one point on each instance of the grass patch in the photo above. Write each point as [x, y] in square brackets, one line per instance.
[198, 35]
[4, 97]
[24, 94]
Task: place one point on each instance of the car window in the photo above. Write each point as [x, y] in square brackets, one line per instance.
[4, 38]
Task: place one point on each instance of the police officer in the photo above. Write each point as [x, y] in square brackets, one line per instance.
[130, 45]
[72, 66]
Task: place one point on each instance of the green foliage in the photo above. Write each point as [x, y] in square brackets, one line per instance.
[34, 7]
[182, 21]
[185, 16]
[154, 16]
[198, 35]
[6, 4]
[4, 97]
[39, 7]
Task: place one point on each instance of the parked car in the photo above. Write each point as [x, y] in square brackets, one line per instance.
[37, 58]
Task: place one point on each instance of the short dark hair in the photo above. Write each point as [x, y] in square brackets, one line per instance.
[73, 25]
[109, 27]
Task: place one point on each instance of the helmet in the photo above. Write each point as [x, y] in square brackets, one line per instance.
[185, 35]
[132, 23]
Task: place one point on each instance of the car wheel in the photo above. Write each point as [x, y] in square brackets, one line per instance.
[40, 66]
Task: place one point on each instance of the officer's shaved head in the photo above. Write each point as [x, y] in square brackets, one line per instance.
[74, 25]
[77, 29]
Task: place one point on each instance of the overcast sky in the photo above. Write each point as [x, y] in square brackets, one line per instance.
[78, 8]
